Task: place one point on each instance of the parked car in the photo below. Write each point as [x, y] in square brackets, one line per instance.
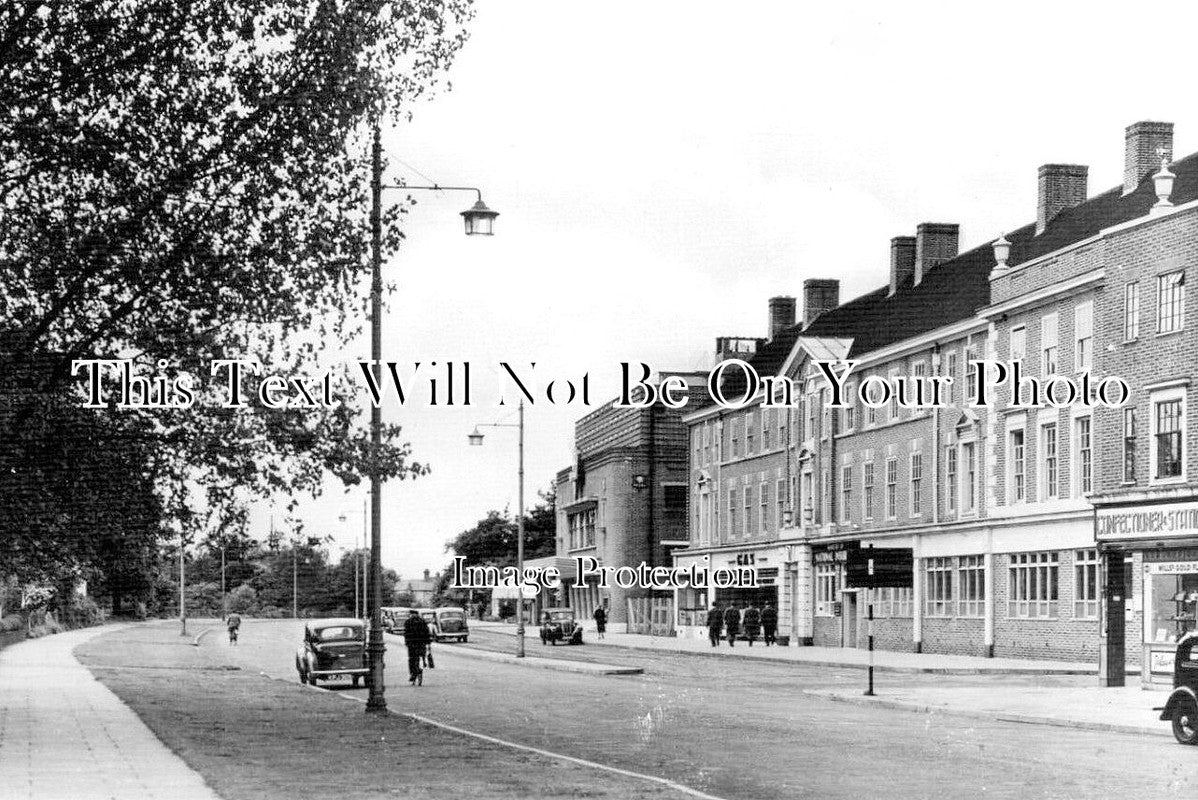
[559, 625]
[393, 618]
[1182, 707]
[451, 624]
[332, 648]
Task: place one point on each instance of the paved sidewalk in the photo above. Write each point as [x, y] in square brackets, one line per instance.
[884, 660]
[64, 735]
[1125, 710]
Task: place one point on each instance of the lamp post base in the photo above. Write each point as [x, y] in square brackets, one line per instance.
[376, 702]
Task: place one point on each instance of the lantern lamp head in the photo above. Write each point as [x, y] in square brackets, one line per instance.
[480, 220]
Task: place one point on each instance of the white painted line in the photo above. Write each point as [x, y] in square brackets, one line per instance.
[678, 787]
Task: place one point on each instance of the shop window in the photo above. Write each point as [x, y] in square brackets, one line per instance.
[846, 491]
[971, 583]
[1172, 598]
[938, 595]
[1170, 302]
[1032, 585]
[867, 490]
[827, 589]
[1085, 584]
[1129, 445]
[894, 602]
[1131, 311]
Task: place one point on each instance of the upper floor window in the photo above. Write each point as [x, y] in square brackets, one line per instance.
[767, 418]
[846, 491]
[732, 497]
[1129, 445]
[867, 490]
[1018, 343]
[969, 477]
[1168, 429]
[1049, 481]
[748, 511]
[950, 477]
[971, 373]
[1048, 344]
[1083, 336]
[1083, 443]
[780, 499]
[850, 409]
[1131, 311]
[950, 369]
[891, 488]
[734, 436]
[916, 477]
[1170, 301]
[764, 525]
[750, 432]
[893, 412]
[1018, 457]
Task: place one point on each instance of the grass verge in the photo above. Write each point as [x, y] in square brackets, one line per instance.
[252, 737]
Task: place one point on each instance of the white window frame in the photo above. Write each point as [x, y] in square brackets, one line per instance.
[1033, 585]
[1083, 455]
[939, 579]
[750, 438]
[1050, 352]
[968, 471]
[763, 500]
[1156, 398]
[915, 484]
[780, 501]
[890, 493]
[732, 500]
[1017, 349]
[867, 490]
[1129, 441]
[971, 586]
[846, 492]
[1171, 301]
[828, 580]
[1048, 461]
[1017, 466]
[952, 469]
[747, 502]
[1086, 591]
[1083, 336]
[1131, 311]
[850, 408]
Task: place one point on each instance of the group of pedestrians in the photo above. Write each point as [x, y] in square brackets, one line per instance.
[731, 620]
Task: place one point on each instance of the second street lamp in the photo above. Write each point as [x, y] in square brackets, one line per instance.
[476, 439]
[479, 220]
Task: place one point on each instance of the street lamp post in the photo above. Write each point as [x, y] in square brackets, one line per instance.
[476, 438]
[479, 220]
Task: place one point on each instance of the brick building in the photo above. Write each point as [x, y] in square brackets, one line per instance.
[624, 499]
[997, 507]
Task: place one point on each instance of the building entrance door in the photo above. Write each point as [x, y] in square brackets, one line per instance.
[848, 618]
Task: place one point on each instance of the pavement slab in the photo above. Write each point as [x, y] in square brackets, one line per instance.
[63, 734]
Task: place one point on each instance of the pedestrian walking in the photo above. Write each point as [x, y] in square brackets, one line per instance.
[600, 617]
[715, 624]
[416, 637]
[233, 621]
[732, 623]
[769, 624]
[752, 623]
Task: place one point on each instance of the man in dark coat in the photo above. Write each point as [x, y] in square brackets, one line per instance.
[416, 637]
[752, 623]
[732, 623]
[715, 623]
[769, 624]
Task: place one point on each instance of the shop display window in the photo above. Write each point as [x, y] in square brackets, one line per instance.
[1174, 599]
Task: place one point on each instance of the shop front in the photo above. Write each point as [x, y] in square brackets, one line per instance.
[1150, 559]
[762, 567]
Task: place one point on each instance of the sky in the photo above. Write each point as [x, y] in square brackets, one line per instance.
[663, 168]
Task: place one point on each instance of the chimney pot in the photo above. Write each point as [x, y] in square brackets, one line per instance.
[819, 295]
[782, 314]
[1143, 142]
[902, 261]
[934, 242]
[1061, 186]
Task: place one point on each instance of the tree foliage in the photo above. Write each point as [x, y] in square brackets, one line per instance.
[493, 539]
[185, 182]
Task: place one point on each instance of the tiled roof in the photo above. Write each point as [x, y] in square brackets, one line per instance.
[955, 289]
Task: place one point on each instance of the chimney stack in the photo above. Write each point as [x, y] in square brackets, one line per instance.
[819, 295]
[902, 261]
[934, 242]
[1061, 186]
[1143, 140]
[426, 574]
[782, 314]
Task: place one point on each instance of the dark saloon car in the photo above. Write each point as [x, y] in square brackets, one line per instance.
[559, 625]
[332, 648]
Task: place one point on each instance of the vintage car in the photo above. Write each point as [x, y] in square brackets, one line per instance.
[332, 648]
[559, 625]
[394, 617]
[446, 624]
[1182, 707]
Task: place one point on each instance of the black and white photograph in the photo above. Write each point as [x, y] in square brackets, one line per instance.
[641, 400]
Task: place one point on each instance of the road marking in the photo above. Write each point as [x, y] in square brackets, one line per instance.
[678, 787]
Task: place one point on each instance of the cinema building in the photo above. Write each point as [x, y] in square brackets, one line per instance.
[1014, 518]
